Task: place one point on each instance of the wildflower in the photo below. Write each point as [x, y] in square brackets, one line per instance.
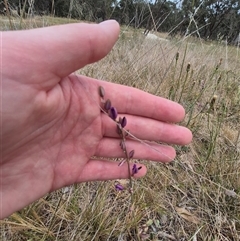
[135, 169]
[118, 187]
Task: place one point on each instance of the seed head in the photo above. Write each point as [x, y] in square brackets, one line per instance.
[188, 67]
[219, 79]
[215, 97]
[213, 102]
[177, 56]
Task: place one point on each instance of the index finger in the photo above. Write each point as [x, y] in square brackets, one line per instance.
[129, 100]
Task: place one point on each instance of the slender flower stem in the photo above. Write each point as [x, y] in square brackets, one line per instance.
[120, 123]
[123, 136]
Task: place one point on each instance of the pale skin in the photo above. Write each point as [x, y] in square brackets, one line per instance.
[51, 122]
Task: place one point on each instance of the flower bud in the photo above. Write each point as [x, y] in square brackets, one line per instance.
[124, 122]
[107, 105]
[101, 91]
[113, 113]
[119, 187]
[135, 169]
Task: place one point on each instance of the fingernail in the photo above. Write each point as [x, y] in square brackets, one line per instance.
[107, 23]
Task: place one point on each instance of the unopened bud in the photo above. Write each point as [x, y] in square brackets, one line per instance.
[119, 187]
[135, 169]
[107, 105]
[124, 122]
[113, 113]
[101, 91]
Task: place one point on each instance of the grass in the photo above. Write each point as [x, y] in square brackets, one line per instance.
[15, 23]
[196, 197]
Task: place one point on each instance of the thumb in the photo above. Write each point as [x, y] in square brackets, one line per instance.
[52, 53]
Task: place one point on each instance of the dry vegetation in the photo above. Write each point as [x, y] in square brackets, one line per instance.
[196, 197]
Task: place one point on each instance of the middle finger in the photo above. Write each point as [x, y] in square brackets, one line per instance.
[148, 129]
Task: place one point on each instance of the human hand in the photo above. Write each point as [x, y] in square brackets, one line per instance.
[51, 122]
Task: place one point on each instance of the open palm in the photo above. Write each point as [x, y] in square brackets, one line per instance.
[51, 122]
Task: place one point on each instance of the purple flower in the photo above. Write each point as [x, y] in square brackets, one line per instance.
[135, 169]
[113, 113]
[119, 187]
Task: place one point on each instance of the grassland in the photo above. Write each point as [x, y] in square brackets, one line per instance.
[196, 197]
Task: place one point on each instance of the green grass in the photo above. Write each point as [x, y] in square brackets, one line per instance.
[196, 197]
